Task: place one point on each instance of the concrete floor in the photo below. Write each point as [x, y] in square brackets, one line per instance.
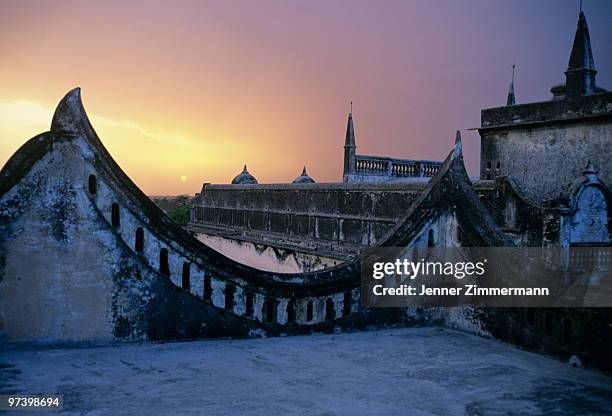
[413, 371]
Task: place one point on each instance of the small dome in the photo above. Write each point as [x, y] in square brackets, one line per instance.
[558, 91]
[245, 178]
[303, 178]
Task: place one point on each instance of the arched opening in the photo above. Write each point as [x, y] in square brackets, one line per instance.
[270, 310]
[229, 296]
[589, 224]
[164, 268]
[309, 311]
[185, 280]
[330, 311]
[249, 304]
[93, 184]
[115, 218]
[139, 246]
[207, 295]
[347, 304]
[290, 311]
[430, 238]
[548, 323]
[567, 330]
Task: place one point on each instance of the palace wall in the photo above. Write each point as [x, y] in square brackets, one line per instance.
[545, 146]
[333, 220]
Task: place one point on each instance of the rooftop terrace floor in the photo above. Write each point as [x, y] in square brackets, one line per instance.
[412, 371]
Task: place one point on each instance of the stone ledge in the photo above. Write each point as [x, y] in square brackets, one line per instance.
[592, 106]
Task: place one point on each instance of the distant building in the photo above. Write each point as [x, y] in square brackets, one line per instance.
[376, 169]
[367, 169]
[544, 175]
[544, 146]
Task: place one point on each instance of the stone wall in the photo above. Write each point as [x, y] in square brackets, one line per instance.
[227, 211]
[237, 220]
[334, 220]
[85, 256]
[581, 336]
[545, 146]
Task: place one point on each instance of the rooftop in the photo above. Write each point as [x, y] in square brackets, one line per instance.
[416, 371]
[569, 109]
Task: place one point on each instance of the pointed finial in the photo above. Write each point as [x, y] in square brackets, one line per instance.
[589, 169]
[245, 169]
[511, 99]
[350, 130]
[303, 178]
[580, 6]
[458, 146]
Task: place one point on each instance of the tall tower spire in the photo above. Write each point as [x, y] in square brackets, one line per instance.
[511, 97]
[580, 74]
[349, 148]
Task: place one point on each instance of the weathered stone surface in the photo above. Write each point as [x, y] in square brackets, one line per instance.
[545, 146]
[416, 371]
[339, 218]
[74, 269]
[85, 256]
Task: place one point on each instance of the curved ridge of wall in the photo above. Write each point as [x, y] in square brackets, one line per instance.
[86, 256]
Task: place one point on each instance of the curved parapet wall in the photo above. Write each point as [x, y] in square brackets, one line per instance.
[86, 256]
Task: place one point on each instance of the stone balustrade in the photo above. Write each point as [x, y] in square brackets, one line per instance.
[394, 168]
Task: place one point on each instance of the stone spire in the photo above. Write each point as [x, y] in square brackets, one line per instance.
[580, 74]
[350, 132]
[511, 97]
[349, 148]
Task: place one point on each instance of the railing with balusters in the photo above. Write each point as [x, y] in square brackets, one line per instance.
[383, 166]
[589, 258]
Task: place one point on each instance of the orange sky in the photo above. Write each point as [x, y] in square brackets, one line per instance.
[197, 89]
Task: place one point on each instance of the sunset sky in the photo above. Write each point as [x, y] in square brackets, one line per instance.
[188, 92]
